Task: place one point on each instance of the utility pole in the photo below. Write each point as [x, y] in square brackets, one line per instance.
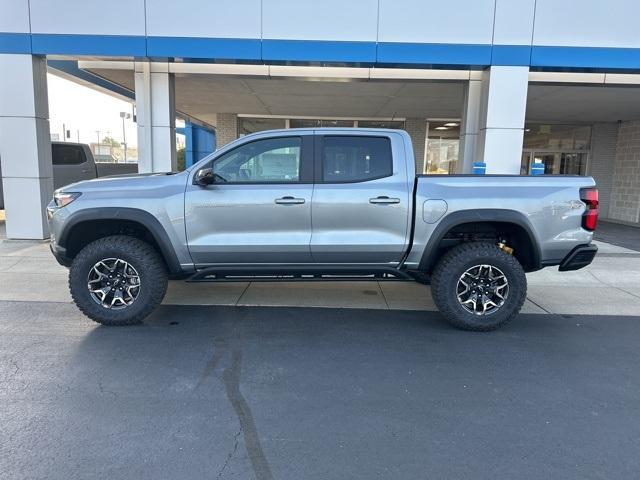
[124, 115]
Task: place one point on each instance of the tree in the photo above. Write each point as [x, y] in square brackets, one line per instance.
[110, 141]
[180, 155]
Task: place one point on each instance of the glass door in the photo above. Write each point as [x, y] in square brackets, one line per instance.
[555, 163]
[443, 145]
[564, 149]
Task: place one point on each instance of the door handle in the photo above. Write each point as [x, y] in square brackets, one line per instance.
[289, 201]
[384, 200]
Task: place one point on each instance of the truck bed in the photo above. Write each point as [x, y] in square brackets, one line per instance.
[548, 205]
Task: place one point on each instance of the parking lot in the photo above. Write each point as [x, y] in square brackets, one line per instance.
[249, 381]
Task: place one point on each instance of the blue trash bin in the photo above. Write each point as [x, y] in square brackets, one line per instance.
[479, 168]
[537, 168]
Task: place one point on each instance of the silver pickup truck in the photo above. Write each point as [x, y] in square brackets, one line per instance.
[320, 204]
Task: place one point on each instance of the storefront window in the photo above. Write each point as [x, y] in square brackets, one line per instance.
[563, 149]
[443, 144]
[247, 125]
[313, 123]
[557, 163]
[557, 137]
[252, 125]
[395, 124]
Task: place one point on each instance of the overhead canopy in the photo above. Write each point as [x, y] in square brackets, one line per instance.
[201, 96]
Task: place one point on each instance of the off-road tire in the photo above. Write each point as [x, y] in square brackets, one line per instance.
[454, 263]
[142, 256]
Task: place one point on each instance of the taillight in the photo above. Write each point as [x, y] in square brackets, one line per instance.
[590, 216]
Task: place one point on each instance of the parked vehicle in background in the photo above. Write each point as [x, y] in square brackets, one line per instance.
[74, 162]
[320, 204]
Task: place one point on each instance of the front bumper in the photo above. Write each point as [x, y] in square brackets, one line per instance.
[60, 254]
[57, 218]
[579, 257]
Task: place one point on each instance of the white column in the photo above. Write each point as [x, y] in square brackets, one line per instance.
[156, 117]
[470, 126]
[503, 108]
[25, 146]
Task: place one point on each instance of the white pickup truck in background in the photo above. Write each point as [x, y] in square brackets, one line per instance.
[74, 162]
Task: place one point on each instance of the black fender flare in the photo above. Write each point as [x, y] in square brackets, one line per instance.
[452, 220]
[144, 218]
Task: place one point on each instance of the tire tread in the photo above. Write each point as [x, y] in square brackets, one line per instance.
[460, 254]
[148, 260]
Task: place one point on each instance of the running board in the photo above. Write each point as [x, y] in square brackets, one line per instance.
[294, 273]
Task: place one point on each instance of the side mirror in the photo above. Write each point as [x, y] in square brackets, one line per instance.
[204, 176]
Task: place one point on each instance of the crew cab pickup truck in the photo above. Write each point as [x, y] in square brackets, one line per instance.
[320, 205]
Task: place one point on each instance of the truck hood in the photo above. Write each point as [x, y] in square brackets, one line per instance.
[128, 180]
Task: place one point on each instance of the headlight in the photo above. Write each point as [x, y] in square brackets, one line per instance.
[62, 199]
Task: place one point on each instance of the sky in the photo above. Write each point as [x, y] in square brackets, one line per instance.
[85, 112]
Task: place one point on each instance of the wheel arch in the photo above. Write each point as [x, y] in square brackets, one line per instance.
[85, 226]
[513, 221]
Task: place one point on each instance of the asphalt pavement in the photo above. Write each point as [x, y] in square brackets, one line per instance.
[315, 393]
[246, 381]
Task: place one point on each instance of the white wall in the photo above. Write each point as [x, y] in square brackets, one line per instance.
[513, 24]
[434, 21]
[592, 23]
[204, 18]
[352, 20]
[90, 17]
[14, 16]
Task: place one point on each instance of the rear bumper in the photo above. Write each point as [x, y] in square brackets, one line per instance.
[579, 257]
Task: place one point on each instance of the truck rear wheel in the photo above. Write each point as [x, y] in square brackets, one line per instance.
[117, 280]
[478, 287]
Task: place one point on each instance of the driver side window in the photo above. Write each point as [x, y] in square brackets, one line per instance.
[272, 160]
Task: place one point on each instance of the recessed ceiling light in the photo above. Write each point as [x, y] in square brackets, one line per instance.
[451, 124]
[442, 128]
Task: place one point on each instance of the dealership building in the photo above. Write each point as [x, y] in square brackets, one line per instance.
[505, 82]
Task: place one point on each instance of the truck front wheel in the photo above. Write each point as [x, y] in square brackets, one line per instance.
[117, 280]
[478, 287]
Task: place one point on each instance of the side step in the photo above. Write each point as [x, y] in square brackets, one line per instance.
[293, 273]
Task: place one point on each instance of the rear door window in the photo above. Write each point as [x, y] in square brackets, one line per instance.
[348, 159]
[67, 154]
